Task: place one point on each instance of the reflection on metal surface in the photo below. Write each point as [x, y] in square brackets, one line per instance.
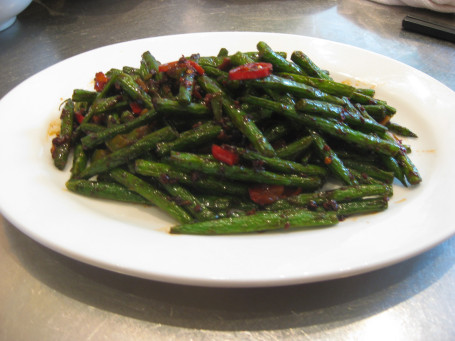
[384, 326]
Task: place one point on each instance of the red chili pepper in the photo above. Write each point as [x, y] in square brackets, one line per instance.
[79, 117]
[291, 192]
[169, 66]
[100, 81]
[224, 155]
[97, 119]
[327, 160]
[251, 71]
[135, 107]
[166, 67]
[266, 194]
[199, 69]
[226, 64]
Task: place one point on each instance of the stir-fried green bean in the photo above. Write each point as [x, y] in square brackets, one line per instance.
[234, 143]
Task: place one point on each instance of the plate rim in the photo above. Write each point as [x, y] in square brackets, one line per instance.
[218, 282]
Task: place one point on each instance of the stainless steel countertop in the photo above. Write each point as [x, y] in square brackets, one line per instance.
[47, 296]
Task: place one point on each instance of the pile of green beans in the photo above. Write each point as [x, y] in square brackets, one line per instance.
[313, 150]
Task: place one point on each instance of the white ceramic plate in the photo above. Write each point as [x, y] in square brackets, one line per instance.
[134, 240]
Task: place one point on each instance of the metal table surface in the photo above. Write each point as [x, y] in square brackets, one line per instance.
[47, 296]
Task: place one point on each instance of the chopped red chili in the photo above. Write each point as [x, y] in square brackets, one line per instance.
[226, 156]
[266, 194]
[79, 117]
[190, 63]
[291, 192]
[327, 160]
[135, 107]
[166, 67]
[226, 64]
[100, 81]
[251, 71]
[199, 69]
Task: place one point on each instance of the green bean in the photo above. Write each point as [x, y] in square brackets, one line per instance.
[368, 100]
[223, 52]
[197, 136]
[329, 110]
[152, 194]
[343, 132]
[186, 86]
[150, 64]
[162, 155]
[276, 132]
[400, 130]
[332, 161]
[363, 178]
[129, 153]
[80, 160]
[391, 164]
[189, 202]
[126, 116]
[332, 87]
[61, 145]
[168, 173]
[105, 104]
[261, 221]
[105, 190]
[300, 90]
[171, 107]
[102, 94]
[240, 58]
[409, 169]
[88, 128]
[133, 90]
[281, 165]
[81, 95]
[361, 207]
[240, 119]
[331, 127]
[195, 162]
[279, 63]
[227, 203]
[366, 91]
[216, 104]
[91, 140]
[292, 150]
[308, 66]
[122, 140]
[338, 195]
[371, 170]
[211, 61]
[377, 111]
[133, 71]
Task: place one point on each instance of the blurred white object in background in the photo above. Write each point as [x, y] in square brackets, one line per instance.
[9, 9]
